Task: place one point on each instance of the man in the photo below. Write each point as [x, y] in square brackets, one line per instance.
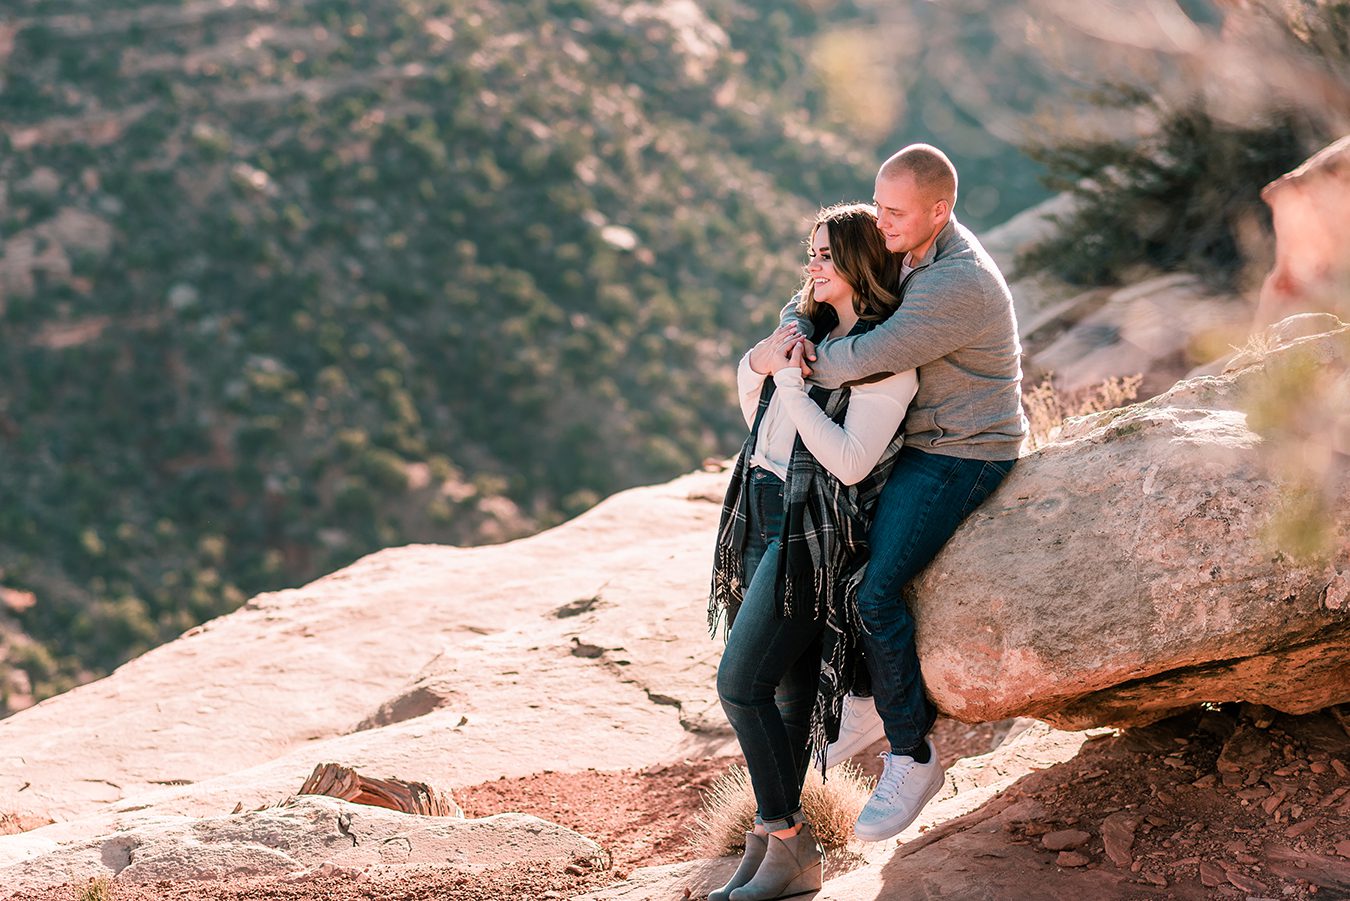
[956, 325]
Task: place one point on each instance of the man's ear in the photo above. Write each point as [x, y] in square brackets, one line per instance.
[941, 208]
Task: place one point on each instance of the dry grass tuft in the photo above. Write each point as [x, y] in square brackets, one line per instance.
[99, 889]
[1047, 407]
[727, 813]
[832, 806]
[728, 810]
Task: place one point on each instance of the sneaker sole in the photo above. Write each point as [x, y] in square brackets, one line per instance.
[885, 830]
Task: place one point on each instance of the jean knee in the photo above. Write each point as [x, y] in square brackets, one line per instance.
[883, 611]
[735, 686]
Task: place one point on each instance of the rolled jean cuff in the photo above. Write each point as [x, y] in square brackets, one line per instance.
[781, 823]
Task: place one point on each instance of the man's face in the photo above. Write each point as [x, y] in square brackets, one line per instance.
[907, 219]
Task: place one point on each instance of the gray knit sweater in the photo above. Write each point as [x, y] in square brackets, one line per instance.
[956, 325]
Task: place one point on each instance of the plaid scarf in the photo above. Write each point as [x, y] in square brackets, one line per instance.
[824, 551]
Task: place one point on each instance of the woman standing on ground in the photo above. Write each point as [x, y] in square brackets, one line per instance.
[791, 546]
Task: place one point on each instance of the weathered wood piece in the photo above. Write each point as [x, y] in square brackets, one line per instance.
[338, 781]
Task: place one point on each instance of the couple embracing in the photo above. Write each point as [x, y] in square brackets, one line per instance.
[882, 411]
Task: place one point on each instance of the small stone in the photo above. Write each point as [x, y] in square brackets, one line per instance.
[1319, 767]
[1274, 801]
[1118, 837]
[1157, 879]
[1298, 829]
[1255, 793]
[1072, 859]
[1341, 769]
[1212, 875]
[1343, 848]
[1244, 857]
[1065, 839]
[1037, 829]
[1245, 882]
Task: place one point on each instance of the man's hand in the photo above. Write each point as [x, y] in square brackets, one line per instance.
[770, 355]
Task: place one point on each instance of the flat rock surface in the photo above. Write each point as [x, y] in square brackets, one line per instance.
[583, 647]
[292, 840]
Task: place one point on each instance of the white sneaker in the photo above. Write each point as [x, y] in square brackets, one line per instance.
[902, 791]
[859, 726]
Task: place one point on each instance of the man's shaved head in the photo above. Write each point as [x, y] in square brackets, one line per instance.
[932, 171]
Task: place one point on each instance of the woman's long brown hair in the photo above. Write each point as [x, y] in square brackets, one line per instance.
[861, 260]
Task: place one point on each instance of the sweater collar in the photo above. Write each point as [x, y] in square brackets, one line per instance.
[939, 246]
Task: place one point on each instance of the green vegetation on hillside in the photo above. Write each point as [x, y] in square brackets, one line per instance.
[376, 272]
[282, 284]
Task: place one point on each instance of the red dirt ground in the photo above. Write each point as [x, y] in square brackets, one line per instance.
[1231, 804]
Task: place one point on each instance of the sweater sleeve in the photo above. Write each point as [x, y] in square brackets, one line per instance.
[938, 316]
[875, 411]
[748, 386]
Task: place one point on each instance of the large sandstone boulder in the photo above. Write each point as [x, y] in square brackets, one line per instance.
[1162, 555]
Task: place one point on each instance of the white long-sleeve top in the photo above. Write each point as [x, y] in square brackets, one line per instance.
[850, 451]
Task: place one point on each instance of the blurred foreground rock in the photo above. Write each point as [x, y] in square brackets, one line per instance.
[1146, 561]
[1310, 208]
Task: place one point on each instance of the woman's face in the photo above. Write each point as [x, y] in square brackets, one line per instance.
[828, 284]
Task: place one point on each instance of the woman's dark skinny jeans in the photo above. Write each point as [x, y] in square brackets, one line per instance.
[770, 669]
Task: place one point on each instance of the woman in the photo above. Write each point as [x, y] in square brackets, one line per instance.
[792, 544]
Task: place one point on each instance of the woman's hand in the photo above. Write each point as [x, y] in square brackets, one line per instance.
[771, 354]
[794, 358]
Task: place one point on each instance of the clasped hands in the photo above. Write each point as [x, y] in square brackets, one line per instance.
[787, 346]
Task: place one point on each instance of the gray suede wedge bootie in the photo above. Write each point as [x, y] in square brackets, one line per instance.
[791, 867]
[755, 846]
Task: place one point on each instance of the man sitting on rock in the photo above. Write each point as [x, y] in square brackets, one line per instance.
[964, 429]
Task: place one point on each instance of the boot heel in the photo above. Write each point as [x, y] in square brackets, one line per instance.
[808, 880]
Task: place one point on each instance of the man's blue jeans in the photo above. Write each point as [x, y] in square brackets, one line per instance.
[923, 503]
[770, 669]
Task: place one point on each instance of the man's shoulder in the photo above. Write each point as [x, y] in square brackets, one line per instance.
[963, 264]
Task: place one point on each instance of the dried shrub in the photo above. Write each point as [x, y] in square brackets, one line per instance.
[832, 806]
[99, 889]
[1047, 406]
[728, 812]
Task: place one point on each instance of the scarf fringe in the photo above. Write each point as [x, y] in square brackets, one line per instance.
[728, 588]
[838, 672]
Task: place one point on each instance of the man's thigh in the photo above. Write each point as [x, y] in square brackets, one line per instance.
[923, 503]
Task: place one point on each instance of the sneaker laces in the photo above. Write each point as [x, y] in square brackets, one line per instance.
[894, 771]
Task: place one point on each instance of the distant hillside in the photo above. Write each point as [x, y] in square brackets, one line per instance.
[284, 283]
